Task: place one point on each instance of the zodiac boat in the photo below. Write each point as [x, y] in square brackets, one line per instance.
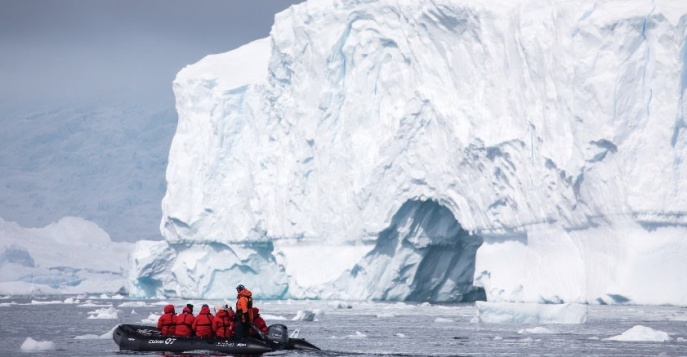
[149, 338]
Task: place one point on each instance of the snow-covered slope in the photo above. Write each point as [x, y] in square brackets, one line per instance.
[71, 256]
[445, 150]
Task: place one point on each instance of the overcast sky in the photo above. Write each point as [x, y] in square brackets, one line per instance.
[77, 50]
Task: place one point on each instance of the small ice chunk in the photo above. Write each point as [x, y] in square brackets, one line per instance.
[641, 333]
[31, 345]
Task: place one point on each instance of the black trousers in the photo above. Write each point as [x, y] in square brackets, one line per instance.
[242, 329]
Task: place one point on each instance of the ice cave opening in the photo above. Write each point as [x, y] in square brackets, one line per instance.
[426, 251]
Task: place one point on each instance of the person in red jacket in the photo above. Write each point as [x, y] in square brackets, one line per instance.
[202, 325]
[166, 322]
[222, 325]
[184, 322]
[244, 311]
[258, 322]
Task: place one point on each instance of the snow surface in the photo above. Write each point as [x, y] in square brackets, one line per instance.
[450, 150]
[71, 256]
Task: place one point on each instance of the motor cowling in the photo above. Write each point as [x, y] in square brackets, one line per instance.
[277, 336]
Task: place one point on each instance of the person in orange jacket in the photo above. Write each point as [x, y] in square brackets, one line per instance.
[222, 325]
[166, 322]
[258, 322]
[202, 325]
[244, 311]
[184, 322]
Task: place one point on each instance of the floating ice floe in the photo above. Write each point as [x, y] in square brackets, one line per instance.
[31, 345]
[272, 317]
[641, 333]
[535, 330]
[386, 315]
[443, 320]
[91, 304]
[528, 313]
[151, 319]
[358, 334]
[133, 304]
[307, 315]
[46, 302]
[106, 314]
[399, 335]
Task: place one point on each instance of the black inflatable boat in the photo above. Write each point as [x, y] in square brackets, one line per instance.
[149, 338]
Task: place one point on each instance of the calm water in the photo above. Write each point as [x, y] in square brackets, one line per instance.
[400, 330]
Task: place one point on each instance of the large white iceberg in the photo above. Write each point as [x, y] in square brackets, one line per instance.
[444, 151]
[70, 256]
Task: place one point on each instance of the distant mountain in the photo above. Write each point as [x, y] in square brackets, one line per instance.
[105, 163]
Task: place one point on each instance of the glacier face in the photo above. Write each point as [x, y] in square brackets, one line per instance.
[436, 151]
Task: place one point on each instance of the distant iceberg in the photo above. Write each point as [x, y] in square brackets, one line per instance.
[71, 256]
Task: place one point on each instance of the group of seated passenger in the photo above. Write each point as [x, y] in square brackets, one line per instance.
[205, 324]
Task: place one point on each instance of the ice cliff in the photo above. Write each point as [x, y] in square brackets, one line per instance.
[434, 151]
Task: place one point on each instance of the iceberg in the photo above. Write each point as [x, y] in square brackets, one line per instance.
[70, 256]
[513, 151]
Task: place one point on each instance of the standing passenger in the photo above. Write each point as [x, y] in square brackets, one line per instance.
[244, 311]
[202, 325]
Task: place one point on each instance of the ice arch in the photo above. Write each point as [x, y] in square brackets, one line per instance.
[424, 255]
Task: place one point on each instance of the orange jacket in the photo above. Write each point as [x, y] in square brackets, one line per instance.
[244, 304]
[258, 322]
[202, 325]
[166, 322]
[222, 325]
[184, 323]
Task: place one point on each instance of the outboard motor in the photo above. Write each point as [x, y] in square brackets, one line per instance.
[277, 336]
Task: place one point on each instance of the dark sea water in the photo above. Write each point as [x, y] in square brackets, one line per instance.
[365, 329]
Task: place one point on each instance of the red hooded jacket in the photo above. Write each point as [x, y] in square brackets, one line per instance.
[166, 322]
[184, 323]
[258, 322]
[202, 325]
[222, 325]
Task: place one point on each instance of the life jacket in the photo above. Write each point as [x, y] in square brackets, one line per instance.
[184, 323]
[202, 325]
[222, 325]
[166, 322]
[244, 307]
